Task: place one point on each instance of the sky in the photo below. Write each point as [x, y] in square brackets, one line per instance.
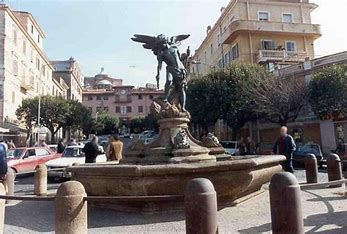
[97, 32]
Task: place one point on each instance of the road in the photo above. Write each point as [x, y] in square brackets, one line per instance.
[324, 211]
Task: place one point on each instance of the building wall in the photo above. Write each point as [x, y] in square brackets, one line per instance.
[212, 49]
[125, 103]
[26, 70]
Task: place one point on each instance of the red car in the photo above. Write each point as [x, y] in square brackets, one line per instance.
[24, 160]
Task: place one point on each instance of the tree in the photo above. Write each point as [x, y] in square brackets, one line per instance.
[53, 112]
[137, 124]
[328, 91]
[221, 95]
[108, 122]
[278, 99]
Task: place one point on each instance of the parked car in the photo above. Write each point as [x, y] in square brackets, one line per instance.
[309, 148]
[72, 154]
[54, 148]
[25, 160]
[230, 147]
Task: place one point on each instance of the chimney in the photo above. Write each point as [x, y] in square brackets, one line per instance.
[208, 29]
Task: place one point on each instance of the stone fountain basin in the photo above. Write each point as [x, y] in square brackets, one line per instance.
[232, 179]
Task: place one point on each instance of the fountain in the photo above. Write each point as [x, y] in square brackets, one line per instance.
[164, 166]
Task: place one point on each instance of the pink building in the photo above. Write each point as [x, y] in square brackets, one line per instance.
[103, 93]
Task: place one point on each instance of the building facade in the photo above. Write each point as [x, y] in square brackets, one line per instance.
[104, 93]
[25, 69]
[70, 72]
[275, 33]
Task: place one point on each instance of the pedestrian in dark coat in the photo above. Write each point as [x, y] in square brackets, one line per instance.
[285, 145]
[61, 146]
[91, 150]
[3, 161]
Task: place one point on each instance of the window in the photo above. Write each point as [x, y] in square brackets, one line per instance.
[38, 38]
[140, 97]
[38, 66]
[140, 109]
[218, 40]
[30, 153]
[32, 28]
[268, 45]
[98, 97]
[151, 96]
[129, 109]
[41, 152]
[263, 16]
[13, 97]
[90, 98]
[226, 58]
[287, 17]
[220, 63]
[105, 97]
[290, 46]
[211, 49]
[24, 47]
[123, 110]
[234, 52]
[15, 68]
[117, 109]
[15, 37]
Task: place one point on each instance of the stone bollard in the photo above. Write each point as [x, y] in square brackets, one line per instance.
[334, 169]
[200, 204]
[311, 168]
[2, 209]
[40, 180]
[285, 204]
[10, 179]
[70, 209]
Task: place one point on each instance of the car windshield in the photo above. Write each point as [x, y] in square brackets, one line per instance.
[14, 153]
[72, 152]
[229, 145]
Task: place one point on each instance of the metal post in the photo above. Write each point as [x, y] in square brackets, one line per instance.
[200, 204]
[2, 209]
[334, 168]
[285, 204]
[70, 209]
[40, 180]
[311, 169]
[10, 180]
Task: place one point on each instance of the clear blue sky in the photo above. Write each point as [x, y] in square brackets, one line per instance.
[97, 33]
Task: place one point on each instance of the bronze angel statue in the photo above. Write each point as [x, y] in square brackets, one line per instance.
[166, 50]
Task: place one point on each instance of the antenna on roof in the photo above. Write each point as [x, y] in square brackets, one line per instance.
[102, 70]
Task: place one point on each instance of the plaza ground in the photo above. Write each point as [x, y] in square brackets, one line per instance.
[324, 211]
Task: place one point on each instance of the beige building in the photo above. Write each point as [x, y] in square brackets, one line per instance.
[70, 72]
[275, 33]
[59, 87]
[25, 70]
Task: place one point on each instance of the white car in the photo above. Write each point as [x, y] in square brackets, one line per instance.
[230, 147]
[71, 155]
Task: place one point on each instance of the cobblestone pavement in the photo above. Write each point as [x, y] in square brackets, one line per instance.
[324, 211]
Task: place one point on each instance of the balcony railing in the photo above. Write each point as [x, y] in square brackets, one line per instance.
[281, 55]
[272, 27]
[26, 84]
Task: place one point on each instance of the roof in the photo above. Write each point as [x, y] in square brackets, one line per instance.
[32, 19]
[104, 82]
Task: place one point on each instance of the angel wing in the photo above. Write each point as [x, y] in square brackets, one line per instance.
[179, 38]
[149, 42]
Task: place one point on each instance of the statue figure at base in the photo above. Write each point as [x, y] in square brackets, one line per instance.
[166, 50]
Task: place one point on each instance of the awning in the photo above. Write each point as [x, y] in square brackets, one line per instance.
[4, 130]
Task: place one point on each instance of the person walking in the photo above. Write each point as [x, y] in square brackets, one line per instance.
[116, 149]
[3, 161]
[285, 145]
[91, 150]
[61, 146]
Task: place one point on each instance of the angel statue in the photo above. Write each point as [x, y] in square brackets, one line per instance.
[166, 50]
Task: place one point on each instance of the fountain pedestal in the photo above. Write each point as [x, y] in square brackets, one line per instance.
[174, 144]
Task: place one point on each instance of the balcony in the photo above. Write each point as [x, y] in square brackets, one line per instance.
[281, 55]
[270, 27]
[25, 84]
